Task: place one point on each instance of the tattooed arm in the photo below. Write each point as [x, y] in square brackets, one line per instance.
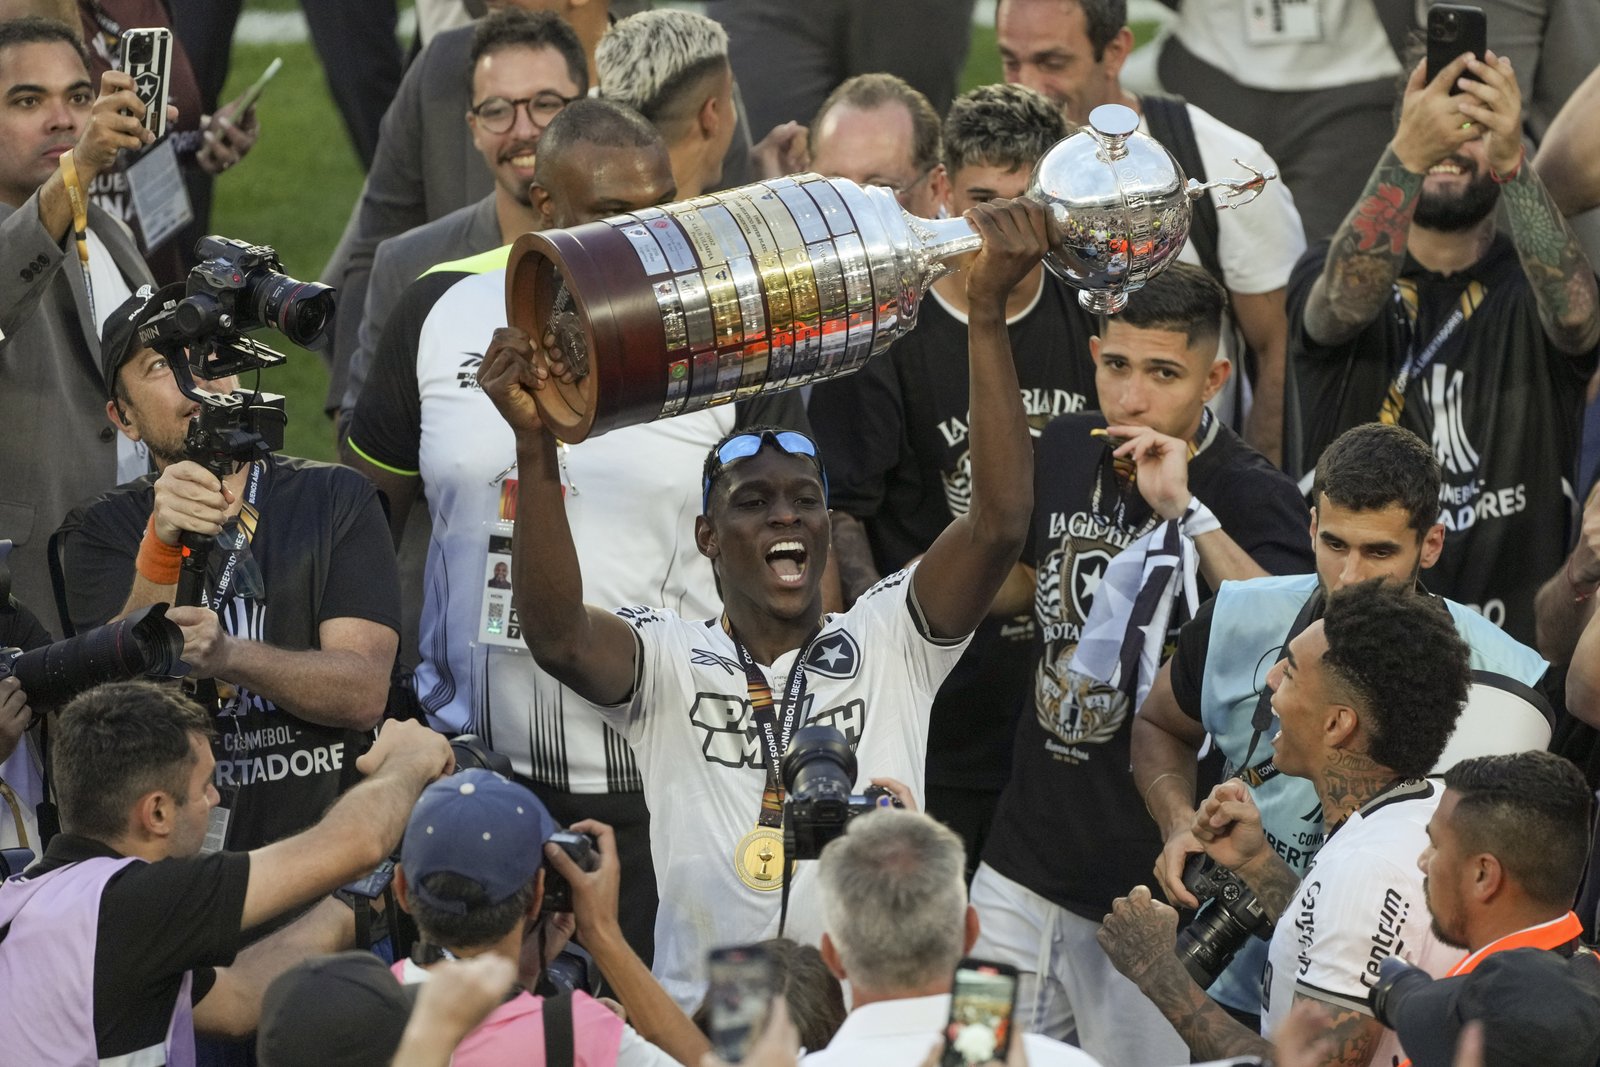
[1228, 825]
[1138, 937]
[1370, 247]
[1562, 280]
[1350, 1036]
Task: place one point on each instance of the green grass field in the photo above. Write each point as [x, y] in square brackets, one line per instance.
[296, 191]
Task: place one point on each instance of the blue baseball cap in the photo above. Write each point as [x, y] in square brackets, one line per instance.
[479, 826]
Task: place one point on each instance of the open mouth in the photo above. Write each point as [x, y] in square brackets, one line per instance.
[788, 561]
[1447, 167]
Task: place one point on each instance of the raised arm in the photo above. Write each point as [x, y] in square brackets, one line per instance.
[1370, 246]
[968, 562]
[1562, 280]
[589, 650]
[1569, 156]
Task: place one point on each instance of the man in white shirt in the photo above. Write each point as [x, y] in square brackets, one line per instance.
[1367, 696]
[897, 922]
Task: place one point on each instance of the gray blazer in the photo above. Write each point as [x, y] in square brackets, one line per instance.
[425, 168]
[56, 447]
[401, 260]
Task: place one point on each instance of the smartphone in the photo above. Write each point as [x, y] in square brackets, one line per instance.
[1453, 29]
[248, 98]
[147, 59]
[982, 1000]
[743, 983]
[372, 885]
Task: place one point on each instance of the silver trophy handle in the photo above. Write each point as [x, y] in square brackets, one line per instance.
[1248, 188]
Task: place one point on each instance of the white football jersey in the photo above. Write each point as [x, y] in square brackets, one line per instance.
[1361, 902]
[871, 673]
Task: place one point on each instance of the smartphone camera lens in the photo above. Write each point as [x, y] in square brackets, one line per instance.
[141, 50]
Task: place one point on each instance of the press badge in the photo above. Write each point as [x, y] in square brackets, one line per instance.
[1283, 21]
[497, 620]
[160, 198]
[217, 821]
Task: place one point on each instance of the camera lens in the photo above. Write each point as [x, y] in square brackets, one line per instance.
[299, 310]
[141, 50]
[145, 643]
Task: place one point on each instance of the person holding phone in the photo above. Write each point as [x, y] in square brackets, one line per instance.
[1420, 313]
[896, 925]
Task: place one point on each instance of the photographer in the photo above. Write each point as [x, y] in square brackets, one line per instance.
[124, 941]
[1367, 697]
[1506, 849]
[301, 612]
[471, 875]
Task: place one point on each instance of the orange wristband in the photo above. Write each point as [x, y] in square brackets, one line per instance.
[158, 562]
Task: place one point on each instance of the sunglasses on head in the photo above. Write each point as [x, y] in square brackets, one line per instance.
[745, 445]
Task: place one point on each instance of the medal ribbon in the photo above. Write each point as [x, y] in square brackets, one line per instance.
[774, 737]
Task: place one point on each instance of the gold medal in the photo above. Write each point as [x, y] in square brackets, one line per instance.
[758, 859]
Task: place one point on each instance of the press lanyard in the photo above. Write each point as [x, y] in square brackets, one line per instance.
[1394, 400]
[774, 737]
[225, 581]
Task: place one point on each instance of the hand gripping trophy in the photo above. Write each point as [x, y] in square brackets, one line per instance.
[800, 279]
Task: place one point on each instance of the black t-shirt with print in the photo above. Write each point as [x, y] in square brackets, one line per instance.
[1071, 825]
[157, 921]
[894, 436]
[1500, 405]
[325, 553]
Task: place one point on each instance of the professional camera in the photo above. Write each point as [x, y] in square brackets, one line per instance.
[580, 848]
[818, 773]
[238, 287]
[471, 752]
[144, 644]
[1229, 913]
[1397, 979]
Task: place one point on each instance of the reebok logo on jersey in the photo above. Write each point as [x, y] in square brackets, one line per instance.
[467, 376]
[836, 655]
[702, 657]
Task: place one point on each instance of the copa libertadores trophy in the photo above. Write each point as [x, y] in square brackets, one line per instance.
[797, 280]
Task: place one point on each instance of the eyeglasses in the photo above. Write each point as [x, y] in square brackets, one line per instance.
[746, 445]
[902, 193]
[497, 114]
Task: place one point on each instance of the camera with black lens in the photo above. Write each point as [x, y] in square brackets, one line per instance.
[238, 287]
[470, 752]
[1397, 980]
[581, 849]
[144, 644]
[1229, 915]
[818, 774]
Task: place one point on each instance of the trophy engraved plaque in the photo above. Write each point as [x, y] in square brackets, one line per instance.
[771, 286]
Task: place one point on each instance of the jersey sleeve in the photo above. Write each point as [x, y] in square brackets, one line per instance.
[363, 579]
[657, 656]
[1348, 918]
[859, 425]
[1189, 660]
[387, 428]
[890, 618]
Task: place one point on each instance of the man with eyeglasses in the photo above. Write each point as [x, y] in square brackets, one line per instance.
[524, 68]
[701, 702]
[301, 614]
[423, 424]
[897, 431]
[875, 129]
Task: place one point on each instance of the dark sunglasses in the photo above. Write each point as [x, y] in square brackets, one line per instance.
[746, 445]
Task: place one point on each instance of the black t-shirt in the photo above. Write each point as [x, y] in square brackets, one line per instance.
[1500, 405]
[1071, 826]
[895, 438]
[325, 553]
[157, 921]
